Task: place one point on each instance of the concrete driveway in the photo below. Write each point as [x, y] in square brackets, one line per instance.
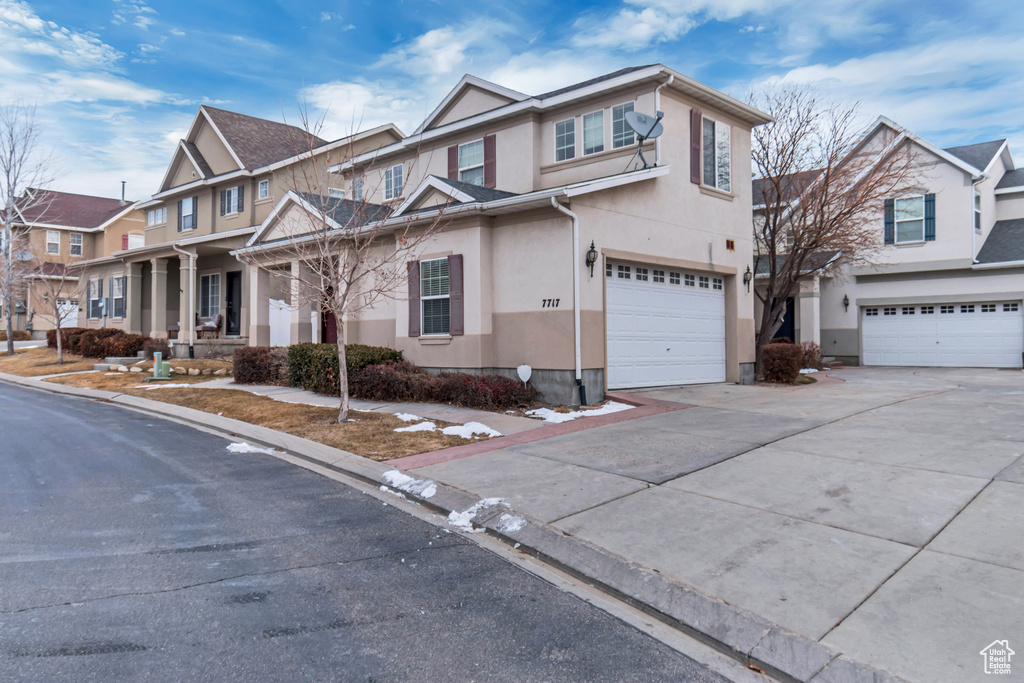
[882, 514]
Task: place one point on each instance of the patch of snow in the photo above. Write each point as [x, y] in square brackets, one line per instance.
[509, 524]
[464, 520]
[385, 489]
[807, 371]
[424, 488]
[470, 430]
[549, 415]
[407, 417]
[166, 386]
[248, 448]
[418, 427]
[108, 374]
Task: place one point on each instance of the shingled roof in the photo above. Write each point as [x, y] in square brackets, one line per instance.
[201, 162]
[1013, 178]
[1005, 242]
[259, 142]
[477, 192]
[793, 185]
[814, 262]
[71, 210]
[593, 81]
[346, 212]
[980, 155]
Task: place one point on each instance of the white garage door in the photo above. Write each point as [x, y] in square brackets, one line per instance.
[665, 326]
[981, 334]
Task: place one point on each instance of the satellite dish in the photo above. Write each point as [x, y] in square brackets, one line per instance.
[23, 256]
[646, 128]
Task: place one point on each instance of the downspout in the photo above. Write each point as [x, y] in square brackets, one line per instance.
[974, 233]
[657, 108]
[191, 298]
[575, 294]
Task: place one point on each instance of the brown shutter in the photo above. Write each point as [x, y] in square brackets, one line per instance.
[457, 307]
[414, 298]
[696, 125]
[490, 167]
[241, 197]
[124, 241]
[453, 162]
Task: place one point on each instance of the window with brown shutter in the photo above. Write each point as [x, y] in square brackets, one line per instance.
[124, 242]
[457, 324]
[453, 162]
[696, 119]
[414, 298]
[490, 162]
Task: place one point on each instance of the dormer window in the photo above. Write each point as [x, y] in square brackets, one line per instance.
[471, 162]
[565, 140]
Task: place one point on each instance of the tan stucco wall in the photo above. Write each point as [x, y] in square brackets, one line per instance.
[213, 150]
[471, 102]
[133, 223]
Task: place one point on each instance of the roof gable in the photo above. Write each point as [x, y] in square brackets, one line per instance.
[254, 142]
[49, 207]
[300, 213]
[435, 191]
[979, 155]
[471, 96]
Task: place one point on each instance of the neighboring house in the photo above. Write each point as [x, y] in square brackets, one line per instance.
[948, 289]
[222, 182]
[60, 230]
[525, 185]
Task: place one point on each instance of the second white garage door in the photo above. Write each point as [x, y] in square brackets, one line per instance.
[665, 326]
[984, 334]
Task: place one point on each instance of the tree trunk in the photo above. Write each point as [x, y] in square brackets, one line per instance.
[342, 373]
[60, 346]
[770, 324]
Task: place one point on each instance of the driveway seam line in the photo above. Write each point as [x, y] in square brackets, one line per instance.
[610, 500]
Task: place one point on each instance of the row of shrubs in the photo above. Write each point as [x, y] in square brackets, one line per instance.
[781, 361]
[105, 342]
[375, 373]
[19, 335]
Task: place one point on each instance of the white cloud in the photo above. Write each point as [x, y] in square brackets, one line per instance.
[534, 73]
[22, 31]
[353, 106]
[450, 50]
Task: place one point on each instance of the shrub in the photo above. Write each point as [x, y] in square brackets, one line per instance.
[360, 355]
[781, 340]
[812, 357]
[391, 381]
[124, 345]
[260, 365]
[781, 362]
[91, 343]
[65, 333]
[481, 391]
[153, 345]
[314, 367]
[19, 335]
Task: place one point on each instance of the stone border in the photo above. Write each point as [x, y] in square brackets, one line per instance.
[746, 637]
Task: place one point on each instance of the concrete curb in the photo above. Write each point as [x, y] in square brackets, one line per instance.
[746, 637]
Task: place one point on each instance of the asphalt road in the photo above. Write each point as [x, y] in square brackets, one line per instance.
[137, 549]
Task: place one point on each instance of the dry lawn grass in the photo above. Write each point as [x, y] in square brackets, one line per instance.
[41, 361]
[122, 380]
[371, 435]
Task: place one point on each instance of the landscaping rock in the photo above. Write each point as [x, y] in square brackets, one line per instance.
[136, 369]
[193, 371]
[221, 372]
[207, 371]
[179, 371]
[122, 368]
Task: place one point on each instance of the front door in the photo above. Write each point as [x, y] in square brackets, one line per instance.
[234, 304]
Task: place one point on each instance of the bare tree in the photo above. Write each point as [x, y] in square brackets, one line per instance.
[54, 284]
[23, 166]
[350, 256]
[819, 194]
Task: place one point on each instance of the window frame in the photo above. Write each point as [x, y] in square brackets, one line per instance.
[424, 298]
[157, 216]
[715, 170]
[390, 191]
[232, 205]
[357, 189]
[977, 210]
[896, 220]
[193, 215]
[600, 113]
[138, 246]
[51, 242]
[206, 309]
[93, 297]
[619, 142]
[263, 189]
[118, 301]
[72, 237]
[472, 167]
[335, 193]
[570, 148]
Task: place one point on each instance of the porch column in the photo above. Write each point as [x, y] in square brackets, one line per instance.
[810, 311]
[259, 306]
[186, 295]
[133, 294]
[301, 327]
[158, 298]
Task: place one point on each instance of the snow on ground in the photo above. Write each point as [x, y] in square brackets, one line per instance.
[166, 386]
[470, 430]
[407, 417]
[418, 427]
[509, 524]
[807, 371]
[385, 489]
[549, 415]
[248, 448]
[464, 520]
[424, 488]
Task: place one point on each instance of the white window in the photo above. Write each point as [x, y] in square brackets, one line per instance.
[658, 276]
[471, 162]
[565, 140]
[988, 308]
[624, 273]
[622, 134]
[890, 310]
[231, 200]
[209, 295]
[52, 242]
[641, 274]
[689, 280]
[927, 310]
[393, 182]
[870, 311]
[94, 310]
[76, 243]
[969, 308]
[593, 133]
[136, 241]
[910, 219]
[188, 210]
[716, 283]
[117, 297]
[908, 310]
[435, 296]
[977, 211]
[1010, 308]
[673, 278]
[263, 190]
[336, 193]
[716, 155]
[703, 282]
[947, 309]
[156, 216]
[357, 189]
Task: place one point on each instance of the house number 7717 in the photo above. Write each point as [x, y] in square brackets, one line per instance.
[549, 303]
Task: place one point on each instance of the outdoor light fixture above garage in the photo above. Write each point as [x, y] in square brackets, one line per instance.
[748, 277]
[591, 258]
[846, 302]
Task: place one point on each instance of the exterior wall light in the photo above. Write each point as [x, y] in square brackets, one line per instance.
[748, 278]
[846, 302]
[591, 258]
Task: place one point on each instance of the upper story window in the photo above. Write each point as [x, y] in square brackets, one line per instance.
[188, 211]
[622, 134]
[977, 211]
[263, 190]
[231, 200]
[910, 219]
[336, 193]
[156, 216]
[565, 140]
[76, 243]
[357, 189]
[593, 132]
[136, 241]
[393, 182]
[435, 294]
[716, 153]
[471, 162]
[52, 242]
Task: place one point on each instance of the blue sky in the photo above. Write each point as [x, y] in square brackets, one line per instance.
[117, 83]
